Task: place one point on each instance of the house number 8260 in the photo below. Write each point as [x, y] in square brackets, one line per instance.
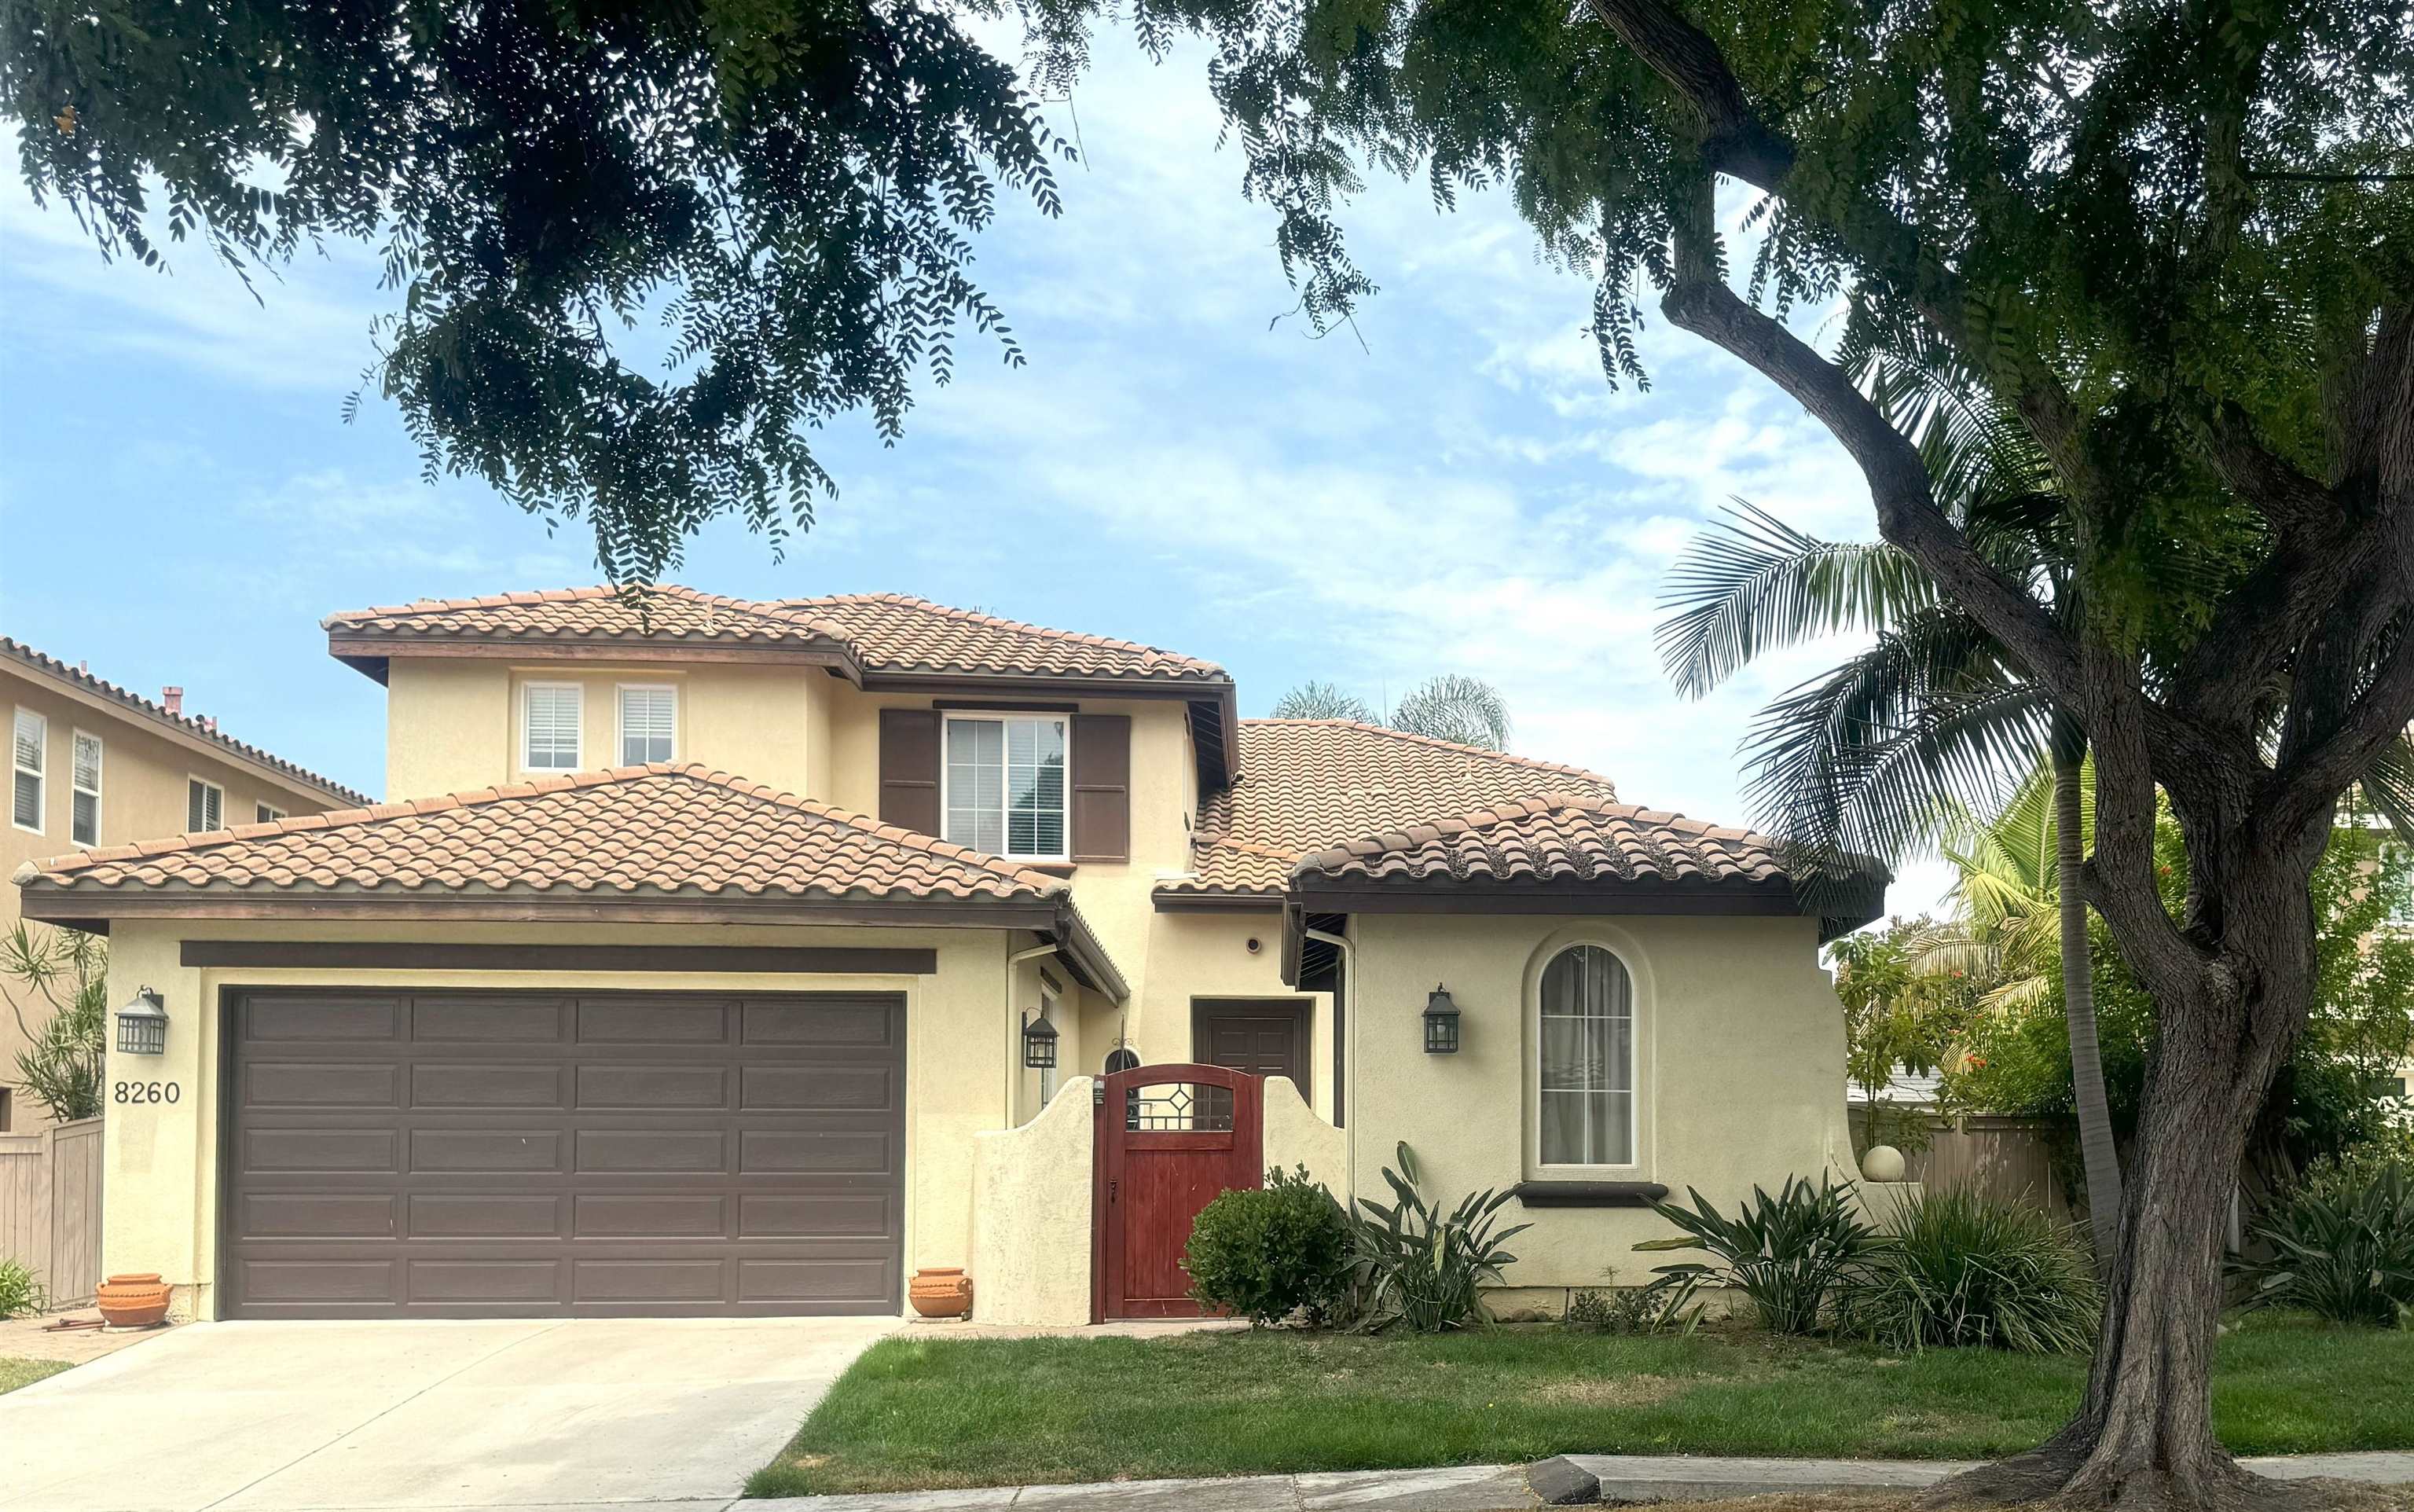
[148, 1091]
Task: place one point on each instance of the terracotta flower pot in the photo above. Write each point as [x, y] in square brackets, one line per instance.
[137, 1299]
[941, 1291]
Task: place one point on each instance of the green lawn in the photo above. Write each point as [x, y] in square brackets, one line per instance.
[922, 1413]
[16, 1372]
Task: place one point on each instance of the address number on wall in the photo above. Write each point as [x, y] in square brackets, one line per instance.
[148, 1092]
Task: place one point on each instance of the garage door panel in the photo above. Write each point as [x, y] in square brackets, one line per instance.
[635, 1085]
[501, 1154]
[491, 1021]
[445, 1151]
[322, 1084]
[531, 1084]
[499, 1215]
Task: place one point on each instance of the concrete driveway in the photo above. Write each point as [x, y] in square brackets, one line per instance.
[331, 1416]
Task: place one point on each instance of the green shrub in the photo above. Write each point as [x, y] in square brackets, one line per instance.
[1664, 1307]
[2343, 1252]
[1786, 1252]
[2354, 1168]
[20, 1294]
[1411, 1264]
[1965, 1269]
[1266, 1255]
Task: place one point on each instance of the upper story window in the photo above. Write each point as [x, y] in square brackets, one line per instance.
[33, 733]
[2396, 884]
[649, 724]
[549, 727]
[1006, 784]
[83, 778]
[204, 805]
[1584, 1082]
[266, 812]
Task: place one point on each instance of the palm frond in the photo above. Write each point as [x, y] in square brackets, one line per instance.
[1751, 583]
[1451, 706]
[1323, 700]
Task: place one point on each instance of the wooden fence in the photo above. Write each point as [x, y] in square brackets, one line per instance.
[2003, 1157]
[49, 1207]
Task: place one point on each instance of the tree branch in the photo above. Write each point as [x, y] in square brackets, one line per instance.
[1735, 140]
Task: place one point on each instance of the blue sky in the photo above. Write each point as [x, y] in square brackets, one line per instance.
[181, 501]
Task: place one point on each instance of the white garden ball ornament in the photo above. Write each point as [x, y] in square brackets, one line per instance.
[1883, 1162]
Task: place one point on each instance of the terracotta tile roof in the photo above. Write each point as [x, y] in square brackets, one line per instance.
[135, 703]
[894, 633]
[673, 613]
[1557, 838]
[1308, 784]
[655, 830]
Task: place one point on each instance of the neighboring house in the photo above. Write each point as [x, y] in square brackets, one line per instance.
[695, 952]
[94, 764]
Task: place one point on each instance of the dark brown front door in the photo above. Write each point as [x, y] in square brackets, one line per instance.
[524, 1153]
[1264, 1037]
[1168, 1140]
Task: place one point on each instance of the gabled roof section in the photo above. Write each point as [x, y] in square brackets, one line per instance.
[894, 632]
[1308, 784]
[691, 840]
[663, 615]
[133, 705]
[1578, 853]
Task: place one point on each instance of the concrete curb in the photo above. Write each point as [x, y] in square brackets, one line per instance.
[1617, 1478]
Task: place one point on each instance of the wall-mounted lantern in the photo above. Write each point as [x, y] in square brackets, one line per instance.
[143, 1026]
[1039, 1042]
[1441, 1023]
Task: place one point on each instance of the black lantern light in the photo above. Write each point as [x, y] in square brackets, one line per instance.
[1441, 1023]
[1039, 1042]
[143, 1026]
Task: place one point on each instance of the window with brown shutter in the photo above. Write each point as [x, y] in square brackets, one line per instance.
[909, 768]
[1101, 787]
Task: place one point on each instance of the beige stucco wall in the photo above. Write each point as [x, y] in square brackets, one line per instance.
[1296, 1137]
[160, 1183]
[1740, 1052]
[144, 770]
[452, 725]
[1031, 1203]
[1206, 955]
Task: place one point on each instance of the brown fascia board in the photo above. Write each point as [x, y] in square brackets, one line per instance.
[1083, 955]
[371, 656]
[1178, 901]
[1764, 900]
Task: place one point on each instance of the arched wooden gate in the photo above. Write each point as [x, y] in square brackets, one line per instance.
[1170, 1138]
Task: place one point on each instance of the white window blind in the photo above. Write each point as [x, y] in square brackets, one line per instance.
[204, 805]
[551, 721]
[1005, 786]
[26, 801]
[83, 778]
[649, 724]
[1584, 1079]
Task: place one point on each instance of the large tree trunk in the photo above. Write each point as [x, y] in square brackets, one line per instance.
[2143, 1437]
[2095, 1147]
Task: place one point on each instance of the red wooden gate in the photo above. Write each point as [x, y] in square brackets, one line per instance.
[1170, 1138]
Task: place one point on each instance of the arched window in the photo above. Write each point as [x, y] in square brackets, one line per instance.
[1584, 1081]
[1121, 1059]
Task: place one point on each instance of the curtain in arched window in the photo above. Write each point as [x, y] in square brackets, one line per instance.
[1586, 1052]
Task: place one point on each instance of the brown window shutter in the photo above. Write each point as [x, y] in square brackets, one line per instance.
[909, 768]
[1102, 788]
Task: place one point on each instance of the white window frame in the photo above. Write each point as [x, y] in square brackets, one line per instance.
[1637, 1071]
[76, 789]
[578, 737]
[997, 716]
[620, 691]
[39, 771]
[266, 814]
[192, 780]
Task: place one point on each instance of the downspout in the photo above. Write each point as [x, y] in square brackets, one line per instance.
[1014, 1017]
[1349, 1001]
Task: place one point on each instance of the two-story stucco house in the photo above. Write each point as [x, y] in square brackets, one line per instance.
[93, 764]
[696, 958]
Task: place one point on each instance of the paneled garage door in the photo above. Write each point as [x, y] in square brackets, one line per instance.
[516, 1154]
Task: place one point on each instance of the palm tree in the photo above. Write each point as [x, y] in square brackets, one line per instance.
[1323, 701]
[1936, 718]
[1450, 706]
[2007, 892]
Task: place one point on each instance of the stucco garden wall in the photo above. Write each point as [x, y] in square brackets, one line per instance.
[1739, 1057]
[161, 1181]
[1031, 1198]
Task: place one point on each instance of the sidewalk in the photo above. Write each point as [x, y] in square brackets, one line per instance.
[1499, 1487]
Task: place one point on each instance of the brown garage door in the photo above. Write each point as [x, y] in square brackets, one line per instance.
[516, 1154]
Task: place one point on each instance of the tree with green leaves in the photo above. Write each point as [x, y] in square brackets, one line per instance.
[1900, 1012]
[2171, 241]
[55, 982]
[1447, 706]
